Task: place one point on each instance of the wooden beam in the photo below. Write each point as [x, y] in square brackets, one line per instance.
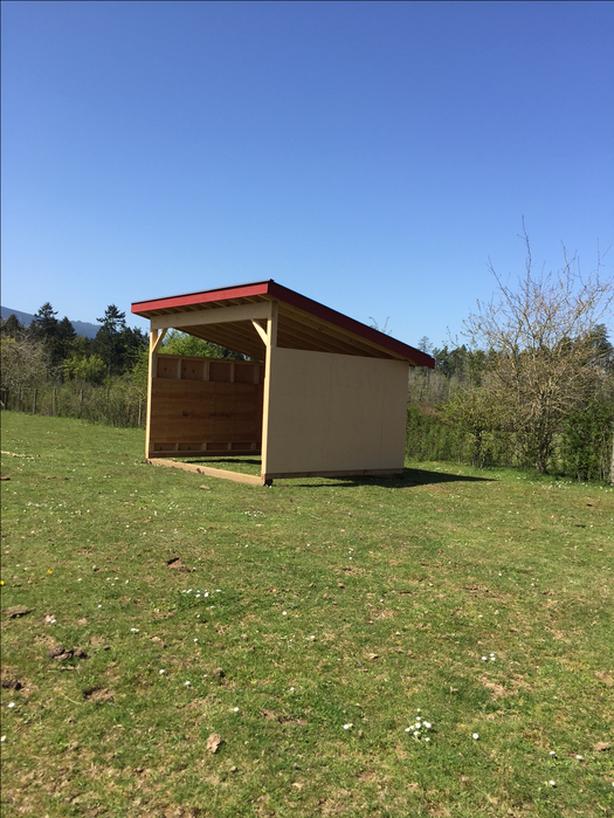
[271, 343]
[159, 340]
[209, 471]
[261, 332]
[214, 315]
[342, 473]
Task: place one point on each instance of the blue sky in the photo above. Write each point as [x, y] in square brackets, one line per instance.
[370, 155]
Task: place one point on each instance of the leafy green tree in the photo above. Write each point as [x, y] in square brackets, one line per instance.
[180, 343]
[472, 410]
[85, 368]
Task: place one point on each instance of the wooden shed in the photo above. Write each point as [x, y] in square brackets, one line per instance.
[318, 394]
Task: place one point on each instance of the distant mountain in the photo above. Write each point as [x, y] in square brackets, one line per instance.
[25, 318]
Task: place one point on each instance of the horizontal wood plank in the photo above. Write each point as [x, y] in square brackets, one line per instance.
[209, 471]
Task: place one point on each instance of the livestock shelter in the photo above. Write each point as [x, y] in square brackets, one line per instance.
[315, 393]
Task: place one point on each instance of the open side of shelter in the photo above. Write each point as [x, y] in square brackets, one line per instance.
[317, 394]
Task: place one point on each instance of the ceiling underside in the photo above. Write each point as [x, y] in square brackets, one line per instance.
[296, 329]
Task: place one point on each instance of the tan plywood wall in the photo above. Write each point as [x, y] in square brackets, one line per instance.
[205, 406]
[333, 413]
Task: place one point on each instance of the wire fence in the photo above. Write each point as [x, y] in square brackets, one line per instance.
[117, 403]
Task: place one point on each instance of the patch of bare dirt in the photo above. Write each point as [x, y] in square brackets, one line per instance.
[214, 742]
[497, 690]
[177, 564]
[99, 642]
[386, 613]
[98, 694]
[11, 683]
[605, 677]
[58, 652]
[271, 715]
[17, 611]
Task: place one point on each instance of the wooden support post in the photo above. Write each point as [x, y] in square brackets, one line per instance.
[155, 339]
[271, 343]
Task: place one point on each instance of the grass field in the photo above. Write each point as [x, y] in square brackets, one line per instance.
[308, 625]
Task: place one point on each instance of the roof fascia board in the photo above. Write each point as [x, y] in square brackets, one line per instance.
[205, 297]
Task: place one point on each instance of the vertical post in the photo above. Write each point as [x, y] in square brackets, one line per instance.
[271, 343]
[34, 394]
[155, 339]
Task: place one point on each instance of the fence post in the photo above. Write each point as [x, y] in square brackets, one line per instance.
[20, 399]
[80, 401]
[34, 396]
[53, 401]
[612, 459]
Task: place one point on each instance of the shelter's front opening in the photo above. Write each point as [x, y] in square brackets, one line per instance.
[206, 407]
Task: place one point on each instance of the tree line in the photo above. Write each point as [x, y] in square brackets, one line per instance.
[532, 385]
[47, 368]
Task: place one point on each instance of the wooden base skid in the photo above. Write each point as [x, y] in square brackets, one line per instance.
[265, 480]
[341, 473]
[209, 471]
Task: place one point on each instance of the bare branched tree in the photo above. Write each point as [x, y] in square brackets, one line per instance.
[544, 332]
[23, 363]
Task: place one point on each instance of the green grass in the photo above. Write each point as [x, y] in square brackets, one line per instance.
[340, 602]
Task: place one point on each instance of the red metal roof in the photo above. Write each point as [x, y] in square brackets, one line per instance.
[301, 309]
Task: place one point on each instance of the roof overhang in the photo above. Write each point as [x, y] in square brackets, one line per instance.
[302, 323]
